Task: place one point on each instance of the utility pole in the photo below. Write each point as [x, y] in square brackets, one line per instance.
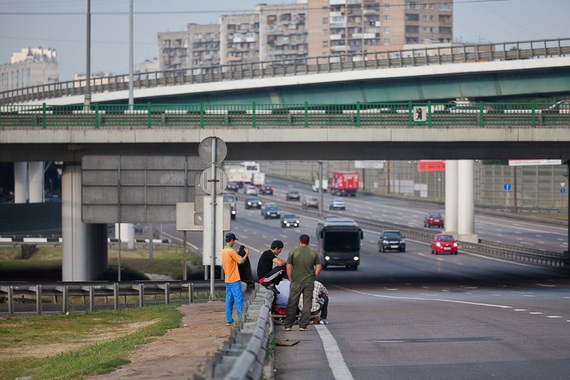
[87, 101]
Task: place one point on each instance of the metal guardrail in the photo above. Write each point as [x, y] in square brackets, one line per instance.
[243, 354]
[303, 115]
[17, 292]
[301, 66]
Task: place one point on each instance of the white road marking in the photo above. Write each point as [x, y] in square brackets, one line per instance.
[338, 367]
[520, 309]
[426, 299]
[553, 316]
[535, 313]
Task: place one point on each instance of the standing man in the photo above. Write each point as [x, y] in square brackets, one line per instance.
[303, 268]
[230, 262]
[265, 263]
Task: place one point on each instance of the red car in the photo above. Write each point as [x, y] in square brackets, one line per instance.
[443, 243]
[433, 219]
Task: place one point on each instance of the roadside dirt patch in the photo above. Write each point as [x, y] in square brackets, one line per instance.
[181, 352]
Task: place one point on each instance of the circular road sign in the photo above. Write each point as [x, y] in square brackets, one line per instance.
[209, 186]
[205, 150]
[507, 186]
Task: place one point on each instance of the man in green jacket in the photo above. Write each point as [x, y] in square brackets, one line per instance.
[303, 268]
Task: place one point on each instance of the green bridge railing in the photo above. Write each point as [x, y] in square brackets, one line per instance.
[116, 116]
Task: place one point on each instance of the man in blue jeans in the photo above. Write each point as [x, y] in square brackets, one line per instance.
[230, 261]
[303, 268]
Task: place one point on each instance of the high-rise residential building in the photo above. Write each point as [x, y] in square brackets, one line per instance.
[30, 67]
[239, 38]
[283, 33]
[172, 50]
[203, 45]
[309, 28]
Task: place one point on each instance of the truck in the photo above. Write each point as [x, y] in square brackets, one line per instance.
[258, 179]
[236, 173]
[338, 242]
[316, 185]
[344, 183]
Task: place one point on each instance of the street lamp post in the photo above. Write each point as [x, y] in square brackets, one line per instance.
[87, 100]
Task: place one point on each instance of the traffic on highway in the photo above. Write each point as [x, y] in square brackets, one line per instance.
[405, 313]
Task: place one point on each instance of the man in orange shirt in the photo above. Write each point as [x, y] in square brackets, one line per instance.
[230, 262]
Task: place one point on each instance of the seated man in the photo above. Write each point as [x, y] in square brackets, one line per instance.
[320, 302]
[283, 295]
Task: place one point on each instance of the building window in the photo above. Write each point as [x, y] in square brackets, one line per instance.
[444, 30]
[325, 32]
[325, 9]
[412, 17]
[386, 41]
[325, 20]
[444, 6]
[325, 44]
[425, 17]
[412, 29]
[387, 6]
[412, 5]
[386, 30]
[386, 17]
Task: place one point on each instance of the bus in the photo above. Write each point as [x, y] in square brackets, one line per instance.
[338, 242]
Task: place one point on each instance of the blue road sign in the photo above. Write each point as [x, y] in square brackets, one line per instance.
[563, 190]
[507, 186]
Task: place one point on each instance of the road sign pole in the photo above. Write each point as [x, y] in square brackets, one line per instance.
[213, 231]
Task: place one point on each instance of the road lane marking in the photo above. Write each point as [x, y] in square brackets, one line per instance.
[338, 367]
[426, 299]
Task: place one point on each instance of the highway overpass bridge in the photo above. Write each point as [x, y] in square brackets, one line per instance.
[483, 72]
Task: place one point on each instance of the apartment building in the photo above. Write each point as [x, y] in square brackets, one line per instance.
[239, 38]
[29, 67]
[172, 50]
[283, 31]
[203, 45]
[309, 28]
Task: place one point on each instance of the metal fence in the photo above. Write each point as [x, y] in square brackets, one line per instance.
[305, 115]
[20, 296]
[438, 55]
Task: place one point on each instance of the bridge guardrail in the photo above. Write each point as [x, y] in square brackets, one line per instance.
[14, 292]
[300, 66]
[304, 115]
[243, 354]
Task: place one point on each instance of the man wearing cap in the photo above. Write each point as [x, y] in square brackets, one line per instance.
[230, 261]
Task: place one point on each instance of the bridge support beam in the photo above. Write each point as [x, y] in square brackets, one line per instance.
[36, 180]
[466, 201]
[84, 245]
[20, 182]
[451, 190]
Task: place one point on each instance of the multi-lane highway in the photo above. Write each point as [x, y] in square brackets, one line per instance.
[414, 315]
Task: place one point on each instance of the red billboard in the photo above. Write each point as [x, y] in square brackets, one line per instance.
[431, 165]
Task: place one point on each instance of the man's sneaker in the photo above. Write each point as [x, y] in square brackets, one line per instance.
[324, 322]
[303, 329]
[229, 323]
[287, 328]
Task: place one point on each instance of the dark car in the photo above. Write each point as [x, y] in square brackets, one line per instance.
[289, 220]
[233, 186]
[272, 212]
[391, 240]
[433, 219]
[293, 196]
[266, 190]
[443, 243]
[253, 202]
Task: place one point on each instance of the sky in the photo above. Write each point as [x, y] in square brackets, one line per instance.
[61, 25]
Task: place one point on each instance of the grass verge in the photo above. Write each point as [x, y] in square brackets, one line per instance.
[78, 345]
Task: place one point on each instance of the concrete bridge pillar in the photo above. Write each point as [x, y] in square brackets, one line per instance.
[20, 182]
[466, 201]
[84, 245]
[36, 180]
[451, 190]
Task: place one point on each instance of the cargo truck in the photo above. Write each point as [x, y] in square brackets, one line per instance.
[316, 185]
[344, 183]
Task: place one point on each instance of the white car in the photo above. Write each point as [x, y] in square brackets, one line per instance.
[251, 190]
[337, 204]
